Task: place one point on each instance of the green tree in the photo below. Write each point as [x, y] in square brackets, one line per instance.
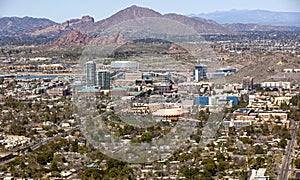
[259, 163]
[111, 163]
[221, 166]
[284, 106]
[146, 137]
[297, 163]
[246, 140]
[209, 166]
[259, 150]
[44, 157]
[16, 129]
[189, 173]
[93, 173]
[74, 146]
[53, 166]
[282, 144]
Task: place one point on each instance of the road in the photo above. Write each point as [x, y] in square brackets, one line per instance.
[284, 172]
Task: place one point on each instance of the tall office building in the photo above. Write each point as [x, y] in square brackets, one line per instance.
[103, 79]
[200, 72]
[248, 83]
[90, 69]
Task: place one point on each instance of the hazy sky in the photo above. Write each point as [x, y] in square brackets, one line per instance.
[61, 10]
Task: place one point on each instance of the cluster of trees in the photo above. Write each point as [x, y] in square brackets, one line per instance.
[147, 134]
[210, 168]
[114, 169]
[295, 113]
[21, 120]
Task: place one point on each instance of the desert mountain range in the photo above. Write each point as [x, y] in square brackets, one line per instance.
[15, 26]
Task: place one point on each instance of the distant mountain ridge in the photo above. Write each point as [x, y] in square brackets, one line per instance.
[134, 12]
[59, 29]
[85, 29]
[10, 26]
[261, 17]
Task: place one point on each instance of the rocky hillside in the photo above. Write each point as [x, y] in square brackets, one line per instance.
[78, 38]
[66, 27]
[14, 26]
[73, 38]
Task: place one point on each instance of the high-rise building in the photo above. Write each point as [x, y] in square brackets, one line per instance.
[103, 79]
[90, 68]
[200, 72]
[248, 83]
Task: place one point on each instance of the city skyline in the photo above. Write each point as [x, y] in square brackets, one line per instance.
[56, 11]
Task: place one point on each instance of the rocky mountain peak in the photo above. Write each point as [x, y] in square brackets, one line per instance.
[88, 19]
[137, 12]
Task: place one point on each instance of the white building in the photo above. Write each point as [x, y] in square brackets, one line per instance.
[280, 84]
[124, 64]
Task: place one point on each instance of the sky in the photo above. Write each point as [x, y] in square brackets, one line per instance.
[62, 10]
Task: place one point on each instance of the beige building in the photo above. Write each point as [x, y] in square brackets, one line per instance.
[272, 115]
[132, 76]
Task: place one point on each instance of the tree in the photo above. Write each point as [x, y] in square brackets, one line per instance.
[74, 146]
[189, 173]
[259, 150]
[259, 162]
[282, 144]
[246, 140]
[146, 136]
[16, 129]
[231, 131]
[93, 173]
[284, 106]
[113, 172]
[209, 166]
[297, 163]
[111, 163]
[295, 114]
[126, 172]
[44, 157]
[50, 133]
[53, 166]
[221, 166]
[249, 129]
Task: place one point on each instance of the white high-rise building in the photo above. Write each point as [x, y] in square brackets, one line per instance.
[90, 69]
[200, 72]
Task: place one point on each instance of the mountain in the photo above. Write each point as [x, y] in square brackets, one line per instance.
[261, 17]
[11, 26]
[58, 29]
[25, 30]
[199, 24]
[129, 13]
[134, 12]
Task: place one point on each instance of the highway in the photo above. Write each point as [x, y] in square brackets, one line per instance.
[284, 172]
